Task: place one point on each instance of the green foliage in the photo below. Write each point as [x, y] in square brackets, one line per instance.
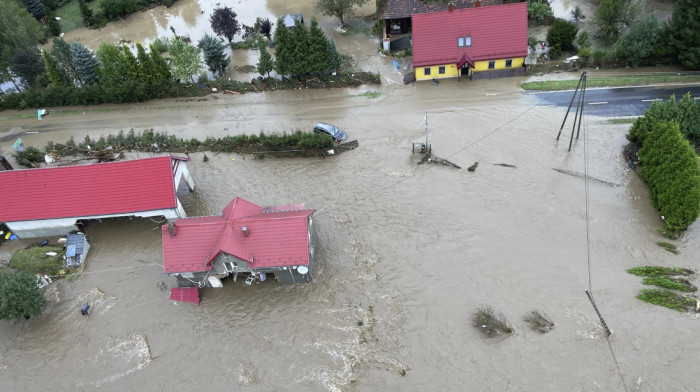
[670, 283]
[214, 56]
[114, 68]
[554, 52]
[86, 13]
[649, 270]
[583, 41]
[577, 13]
[27, 64]
[685, 32]
[185, 60]
[161, 68]
[146, 68]
[317, 60]
[668, 246]
[540, 11]
[61, 51]
[29, 157]
[685, 112]
[117, 9]
[36, 8]
[20, 296]
[35, 261]
[340, 9]
[612, 17]
[85, 63]
[562, 34]
[667, 298]
[670, 169]
[161, 44]
[18, 30]
[638, 43]
[56, 76]
[223, 22]
[335, 60]
[265, 64]
[54, 28]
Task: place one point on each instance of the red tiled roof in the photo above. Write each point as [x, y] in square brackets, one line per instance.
[87, 190]
[275, 239]
[498, 32]
[396, 9]
[185, 294]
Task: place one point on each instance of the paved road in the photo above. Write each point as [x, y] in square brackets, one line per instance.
[617, 102]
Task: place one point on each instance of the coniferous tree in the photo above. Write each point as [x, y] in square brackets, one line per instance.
[318, 54]
[223, 22]
[27, 64]
[300, 50]
[61, 51]
[146, 68]
[685, 32]
[132, 64]
[160, 65]
[85, 63]
[86, 13]
[36, 8]
[335, 60]
[283, 49]
[214, 56]
[265, 64]
[56, 75]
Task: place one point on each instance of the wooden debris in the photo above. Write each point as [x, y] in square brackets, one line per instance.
[504, 165]
[434, 159]
[232, 92]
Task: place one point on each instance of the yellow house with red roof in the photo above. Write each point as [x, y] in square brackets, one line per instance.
[482, 42]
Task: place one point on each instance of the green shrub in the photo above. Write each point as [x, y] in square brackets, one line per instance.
[554, 52]
[562, 33]
[30, 157]
[583, 41]
[685, 112]
[20, 296]
[539, 11]
[638, 44]
[659, 271]
[667, 298]
[670, 283]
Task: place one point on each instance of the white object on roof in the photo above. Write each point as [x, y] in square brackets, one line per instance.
[215, 282]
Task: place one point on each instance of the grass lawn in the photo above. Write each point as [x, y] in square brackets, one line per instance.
[71, 18]
[632, 80]
[35, 261]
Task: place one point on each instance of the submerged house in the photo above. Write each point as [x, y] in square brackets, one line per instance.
[481, 42]
[77, 249]
[50, 201]
[245, 240]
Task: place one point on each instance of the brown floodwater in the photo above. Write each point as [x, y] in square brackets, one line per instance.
[406, 254]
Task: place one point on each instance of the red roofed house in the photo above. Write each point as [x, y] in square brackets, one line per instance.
[245, 239]
[49, 201]
[483, 42]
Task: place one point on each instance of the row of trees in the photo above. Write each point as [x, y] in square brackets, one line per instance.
[300, 51]
[669, 163]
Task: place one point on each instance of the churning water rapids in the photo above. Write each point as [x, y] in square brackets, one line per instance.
[406, 255]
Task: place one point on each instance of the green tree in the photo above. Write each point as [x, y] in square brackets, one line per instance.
[85, 63]
[132, 64]
[284, 49]
[685, 112]
[612, 17]
[27, 64]
[670, 169]
[56, 75]
[334, 58]
[223, 22]
[36, 8]
[301, 52]
[341, 9]
[685, 32]
[539, 11]
[318, 55]
[582, 40]
[577, 13]
[61, 51]
[185, 60]
[214, 56]
[160, 65]
[113, 69]
[146, 66]
[639, 42]
[18, 30]
[20, 296]
[265, 64]
[86, 13]
[562, 34]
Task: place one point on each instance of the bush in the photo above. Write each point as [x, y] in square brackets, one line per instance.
[539, 11]
[638, 44]
[20, 296]
[562, 33]
[30, 157]
[555, 52]
[685, 112]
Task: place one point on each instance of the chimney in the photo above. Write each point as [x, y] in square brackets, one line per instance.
[245, 231]
[171, 229]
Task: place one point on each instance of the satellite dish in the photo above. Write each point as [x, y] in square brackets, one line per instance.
[303, 269]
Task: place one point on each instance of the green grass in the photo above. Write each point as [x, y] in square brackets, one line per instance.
[627, 120]
[34, 260]
[632, 80]
[670, 283]
[71, 19]
[667, 298]
[659, 271]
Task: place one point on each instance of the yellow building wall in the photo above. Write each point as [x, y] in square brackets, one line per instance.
[500, 64]
[451, 71]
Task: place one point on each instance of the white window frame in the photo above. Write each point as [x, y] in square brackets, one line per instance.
[468, 41]
[460, 42]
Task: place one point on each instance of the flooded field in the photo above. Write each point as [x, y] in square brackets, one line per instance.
[406, 254]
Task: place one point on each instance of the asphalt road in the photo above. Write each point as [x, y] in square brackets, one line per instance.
[617, 101]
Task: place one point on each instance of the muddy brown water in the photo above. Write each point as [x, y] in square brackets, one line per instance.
[406, 254]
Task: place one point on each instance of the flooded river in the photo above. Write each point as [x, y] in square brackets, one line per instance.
[406, 254]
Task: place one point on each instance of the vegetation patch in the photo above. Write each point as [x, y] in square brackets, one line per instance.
[369, 94]
[628, 120]
[660, 271]
[29, 157]
[539, 322]
[34, 260]
[491, 323]
[670, 283]
[668, 246]
[632, 80]
[667, 298]
[20, 296]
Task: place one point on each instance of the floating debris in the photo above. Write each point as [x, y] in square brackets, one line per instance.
[491, 323]
[539, 322]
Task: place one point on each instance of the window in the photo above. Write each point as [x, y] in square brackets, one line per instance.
[468, 41]
[441, 70]
[460, 42]
[426, 71]
[492, 64]
[509, 63]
